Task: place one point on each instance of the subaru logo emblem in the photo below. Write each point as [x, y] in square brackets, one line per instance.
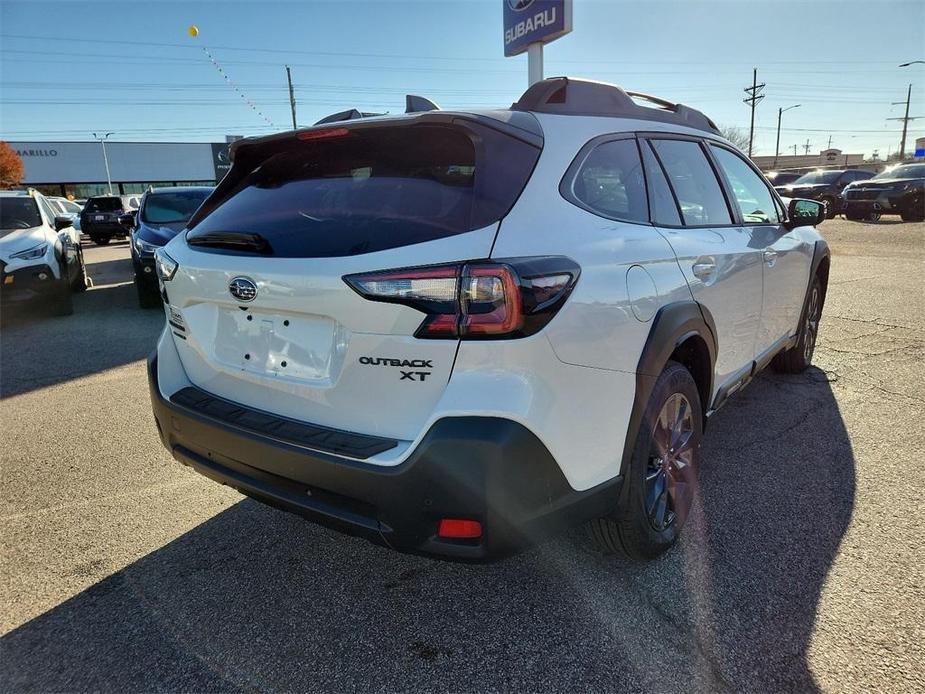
[518, 5]
[243, 289]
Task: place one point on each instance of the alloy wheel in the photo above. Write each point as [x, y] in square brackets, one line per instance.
[811, 327]
[671, 455]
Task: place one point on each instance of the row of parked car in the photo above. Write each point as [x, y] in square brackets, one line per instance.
[860, 195]
[40, 251]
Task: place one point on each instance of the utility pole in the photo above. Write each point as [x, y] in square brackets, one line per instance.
[905, 119]
[794, 150]
[806, 147]
[102, 141]
[754, 96]
[830, 142]
[780, 112]
[291, 97]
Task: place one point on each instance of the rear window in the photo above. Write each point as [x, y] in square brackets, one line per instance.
[173, 207]
[103, 205]
[371, 189]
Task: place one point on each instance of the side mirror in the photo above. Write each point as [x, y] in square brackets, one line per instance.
[803, 213]
[62, 222]
[127, 220]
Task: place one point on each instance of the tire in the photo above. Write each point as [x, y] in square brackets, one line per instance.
[82, 282]
[831, 209]
[659, 486]
[63, 301]
[100, 240]
[147, 298]
[798, 358]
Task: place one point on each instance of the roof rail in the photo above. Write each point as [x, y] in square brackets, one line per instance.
[415, 104]
[349, 114]
[569, 96]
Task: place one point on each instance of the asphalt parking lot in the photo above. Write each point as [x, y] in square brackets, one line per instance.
[802, 568]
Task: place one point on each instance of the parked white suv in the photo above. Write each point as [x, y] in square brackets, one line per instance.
[455, 333]
[40, 254]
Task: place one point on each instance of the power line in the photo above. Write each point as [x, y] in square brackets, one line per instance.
[466, 59]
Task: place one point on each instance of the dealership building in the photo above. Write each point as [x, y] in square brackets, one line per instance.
[78, 169]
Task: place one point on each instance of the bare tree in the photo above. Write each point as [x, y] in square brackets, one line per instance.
[736, 136]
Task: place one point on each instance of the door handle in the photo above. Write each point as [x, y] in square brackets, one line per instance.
[704, 268]
[770, 257]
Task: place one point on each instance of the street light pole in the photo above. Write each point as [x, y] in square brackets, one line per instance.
[780, 112]
[102, 140]
[905, 119]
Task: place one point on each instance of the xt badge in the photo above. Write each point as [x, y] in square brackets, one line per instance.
[402, 364]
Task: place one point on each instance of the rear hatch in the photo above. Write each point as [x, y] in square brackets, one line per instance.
[259, 308]
[102, 210]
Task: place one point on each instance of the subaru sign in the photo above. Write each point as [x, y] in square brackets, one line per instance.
[534, 21]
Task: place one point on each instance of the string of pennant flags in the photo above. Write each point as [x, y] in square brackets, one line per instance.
[230, 82]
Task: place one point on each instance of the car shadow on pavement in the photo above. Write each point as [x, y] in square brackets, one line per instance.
[258, 599]
[107, 329]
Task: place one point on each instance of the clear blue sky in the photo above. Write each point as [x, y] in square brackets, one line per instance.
[131, 68]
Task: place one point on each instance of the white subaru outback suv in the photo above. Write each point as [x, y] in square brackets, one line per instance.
[40, 254]
[454, 333]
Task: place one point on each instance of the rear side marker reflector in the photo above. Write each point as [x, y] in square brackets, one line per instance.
[459, 529]
[476, 300]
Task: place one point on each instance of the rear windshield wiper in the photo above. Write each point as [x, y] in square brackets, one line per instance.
[232, 240]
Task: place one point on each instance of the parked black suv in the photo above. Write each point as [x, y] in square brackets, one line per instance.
[100, 217]
[162, 214]
[824, 186]
[900, 190]
[782, 178]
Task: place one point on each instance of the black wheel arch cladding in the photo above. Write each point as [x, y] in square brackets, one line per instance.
[673, 324]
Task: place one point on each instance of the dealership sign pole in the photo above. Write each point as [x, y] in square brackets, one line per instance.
[528, 24]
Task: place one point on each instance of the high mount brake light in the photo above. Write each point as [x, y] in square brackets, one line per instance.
[478, 300]
[322, 134]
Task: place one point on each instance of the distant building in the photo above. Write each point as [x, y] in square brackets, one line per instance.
[827, 158]
[78, 168]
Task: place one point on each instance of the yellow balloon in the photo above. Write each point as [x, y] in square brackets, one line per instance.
[193, 31]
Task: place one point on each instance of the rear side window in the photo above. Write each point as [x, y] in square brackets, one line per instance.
[694, 183]
[370, 189]
[754, 199]
[610, 182]
[103, 205]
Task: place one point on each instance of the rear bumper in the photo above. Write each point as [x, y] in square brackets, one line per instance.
[103, 229]
[487, 469]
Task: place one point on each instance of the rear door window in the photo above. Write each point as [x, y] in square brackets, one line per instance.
[694, 183]
[661, 200]
[370, 189]
[610, 182]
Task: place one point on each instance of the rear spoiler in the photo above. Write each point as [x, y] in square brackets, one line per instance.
[413, 104]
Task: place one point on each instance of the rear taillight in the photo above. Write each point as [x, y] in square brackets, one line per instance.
[476, 300]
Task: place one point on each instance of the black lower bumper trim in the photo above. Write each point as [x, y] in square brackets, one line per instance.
[316, 437]
[487, 469]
